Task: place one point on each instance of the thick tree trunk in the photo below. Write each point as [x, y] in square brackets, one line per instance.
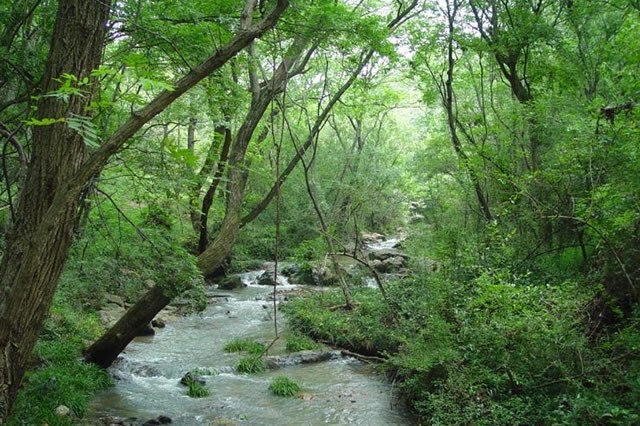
[35, 257]
[39, 242]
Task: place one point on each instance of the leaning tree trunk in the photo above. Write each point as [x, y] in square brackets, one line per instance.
[106, 349]
[39, 241]
[27, 282]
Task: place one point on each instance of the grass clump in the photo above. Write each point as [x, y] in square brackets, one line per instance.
[300, 342]
[196, 390]
[58, 376]
[205, 371]
[251, 365]
[283, 386]
[244, 345]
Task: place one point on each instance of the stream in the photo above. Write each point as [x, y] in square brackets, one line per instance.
[338, 391]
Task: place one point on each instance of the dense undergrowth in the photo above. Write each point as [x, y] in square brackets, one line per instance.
[482, 344]
[58, 376]
[110, 258]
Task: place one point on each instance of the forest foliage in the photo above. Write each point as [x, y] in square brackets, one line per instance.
[500, 136]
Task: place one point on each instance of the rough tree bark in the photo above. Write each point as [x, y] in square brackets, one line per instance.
[35, 257]
[39, 241]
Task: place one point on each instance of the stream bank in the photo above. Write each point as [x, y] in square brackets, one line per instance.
[341, 390]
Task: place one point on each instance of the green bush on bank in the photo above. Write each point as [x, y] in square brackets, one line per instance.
[495, 350]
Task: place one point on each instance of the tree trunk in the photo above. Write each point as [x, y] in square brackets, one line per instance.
[213, 257]
[109, 346]
[39, 242]
[35, 257]
[207, 201]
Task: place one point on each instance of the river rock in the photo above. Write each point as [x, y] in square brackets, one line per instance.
[160, 420]
[266, 278]
[62, 411]
[390, 264]
[385, 254]
[196, 378]
[302, 357]
[371, 237]
[158, 323]
[298, 274]
[231, 283]
[146, 330]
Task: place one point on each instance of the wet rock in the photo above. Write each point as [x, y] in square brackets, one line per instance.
[62, 411]
[386, 254]
[231, 283]
[194, 378]
[371, 237]
[160, 420]
[390, 264]
[112, 298]
[118, 421]
[158, 323]
[305, 396]
[146, 330]
[303, 357]
[266, 278]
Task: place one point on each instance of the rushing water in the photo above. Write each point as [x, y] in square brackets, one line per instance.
[340, 391]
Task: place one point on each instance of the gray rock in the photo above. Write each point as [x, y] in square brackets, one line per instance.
[386, 253]
[266, 278]
[194, 378]
[158, 323]
[146, 330]
[62, 411]
[231, 283]
[160, 420]
[112, 298]
[302, 357]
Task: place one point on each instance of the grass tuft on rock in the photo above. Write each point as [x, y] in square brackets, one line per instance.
[251, 365]
[196, 390]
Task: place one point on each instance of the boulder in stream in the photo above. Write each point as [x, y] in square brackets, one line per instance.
[386, 254]
[266, 278]
[231, 283]
[302, 357]
[195, 378]
[160, 420]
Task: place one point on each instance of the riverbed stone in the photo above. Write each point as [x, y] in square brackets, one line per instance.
[160, 420]
[196, 378]
[266, 278]
[302, 357]
[158, 323]
[386, 253]
[231, 283]
[146, 330]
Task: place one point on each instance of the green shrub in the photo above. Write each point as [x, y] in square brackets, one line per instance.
[244, 345]
[283, 386]
[299, 342]
[251, 364]
[62, 378]
[196, 390]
